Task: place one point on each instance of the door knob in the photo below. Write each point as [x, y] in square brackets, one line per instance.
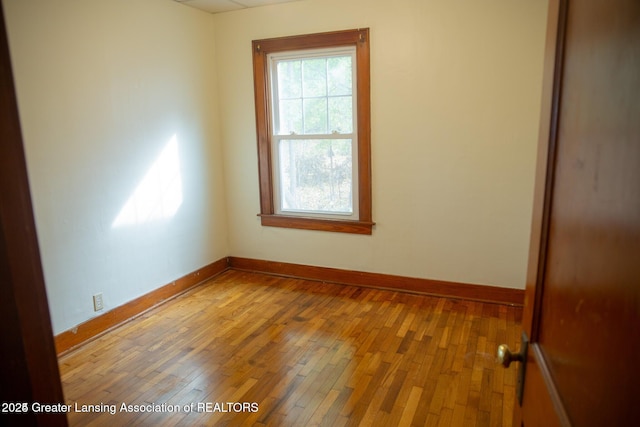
[506, 356]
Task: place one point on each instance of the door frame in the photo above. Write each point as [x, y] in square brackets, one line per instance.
[545, 169]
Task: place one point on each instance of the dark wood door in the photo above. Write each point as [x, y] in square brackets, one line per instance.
[582, 307]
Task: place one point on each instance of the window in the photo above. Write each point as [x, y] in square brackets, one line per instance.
[313, 126]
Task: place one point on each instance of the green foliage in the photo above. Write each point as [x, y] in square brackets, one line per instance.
[316, 174]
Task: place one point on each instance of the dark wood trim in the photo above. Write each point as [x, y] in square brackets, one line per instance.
[286, 221]
[312, 41]
[261, 48]
[263, 126]
[549, 117]
[543, 403]
[97, 326]
[492, 294]
[29, 367]
[364, 128]
[538, 376]
[541, 214]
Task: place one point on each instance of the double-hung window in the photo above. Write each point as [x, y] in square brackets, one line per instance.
[312, 116]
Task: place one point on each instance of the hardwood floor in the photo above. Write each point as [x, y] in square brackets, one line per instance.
[291, 352]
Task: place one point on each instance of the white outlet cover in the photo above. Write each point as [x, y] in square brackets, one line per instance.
[97, 302]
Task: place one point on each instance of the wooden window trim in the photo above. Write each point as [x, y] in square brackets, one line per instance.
[261, 48]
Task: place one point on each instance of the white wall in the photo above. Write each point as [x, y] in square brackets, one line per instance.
[455, 106]
[103, 87]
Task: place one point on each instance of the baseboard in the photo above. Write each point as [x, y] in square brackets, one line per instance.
[491, 294]
[97, 326]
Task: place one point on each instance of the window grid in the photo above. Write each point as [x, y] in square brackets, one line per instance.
[265, 125]
[295, 70]
[321, 54]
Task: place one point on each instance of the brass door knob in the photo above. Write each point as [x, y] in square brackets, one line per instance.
[506, 356]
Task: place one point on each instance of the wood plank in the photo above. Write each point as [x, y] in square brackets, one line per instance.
[98, 325]
[306, 354]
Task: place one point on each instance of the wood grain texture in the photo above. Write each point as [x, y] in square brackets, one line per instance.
[102, 323]
[548, 130]
[386, 281]
[547, 404]
[590, 298]
[324, 224]
[582, 290]
[306, 352]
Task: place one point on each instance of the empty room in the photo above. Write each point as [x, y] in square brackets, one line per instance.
[310, 212]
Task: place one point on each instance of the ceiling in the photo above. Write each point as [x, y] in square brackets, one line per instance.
[217, 6]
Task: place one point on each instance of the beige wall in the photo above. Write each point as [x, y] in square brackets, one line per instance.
[455, 106]
[103, 87]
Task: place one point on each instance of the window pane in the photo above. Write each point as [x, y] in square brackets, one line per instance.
[289, 79]
[340, 76]
[314, 80]
[290, 117]
[316, 175]
[340, 114]
[315, 115]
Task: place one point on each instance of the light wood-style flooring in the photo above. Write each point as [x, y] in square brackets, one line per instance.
[302, 353]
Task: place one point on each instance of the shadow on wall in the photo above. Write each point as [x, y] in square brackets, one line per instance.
[158, 196]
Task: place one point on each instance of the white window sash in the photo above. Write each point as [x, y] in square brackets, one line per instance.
[276, 137]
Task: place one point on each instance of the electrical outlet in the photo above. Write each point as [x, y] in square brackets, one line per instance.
[97, 302]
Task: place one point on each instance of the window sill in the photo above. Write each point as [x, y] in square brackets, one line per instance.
[321, 224]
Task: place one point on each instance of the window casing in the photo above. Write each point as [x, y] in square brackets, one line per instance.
[313, 127]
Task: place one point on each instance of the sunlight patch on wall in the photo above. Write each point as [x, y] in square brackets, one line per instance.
[159, 194]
